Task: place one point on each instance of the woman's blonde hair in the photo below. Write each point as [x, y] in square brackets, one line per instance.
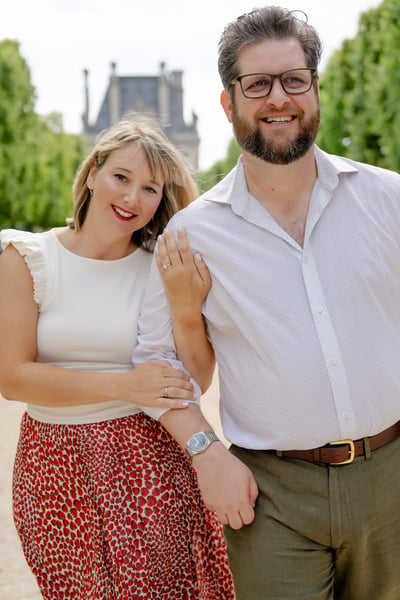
[165, 162]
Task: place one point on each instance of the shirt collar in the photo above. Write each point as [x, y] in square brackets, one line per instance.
[233, 188]
[330, 167]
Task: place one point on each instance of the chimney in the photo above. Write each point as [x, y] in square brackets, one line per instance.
[163, 96]
[114, 95]
[85, 116]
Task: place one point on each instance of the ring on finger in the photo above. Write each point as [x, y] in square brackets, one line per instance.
[165, 394]
[167, 266]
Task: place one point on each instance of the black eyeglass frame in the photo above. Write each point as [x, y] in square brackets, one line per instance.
[273, 77]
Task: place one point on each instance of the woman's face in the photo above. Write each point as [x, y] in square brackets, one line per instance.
[125, 195]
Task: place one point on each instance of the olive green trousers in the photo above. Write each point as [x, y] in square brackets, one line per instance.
[320, 532]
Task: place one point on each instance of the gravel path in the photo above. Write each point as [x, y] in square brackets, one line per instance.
[16, 580]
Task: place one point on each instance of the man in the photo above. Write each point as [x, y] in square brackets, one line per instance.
[304, 317]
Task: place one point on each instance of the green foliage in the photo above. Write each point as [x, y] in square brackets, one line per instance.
[50, 174]
[16, 117]
[37, 160]
[207, 179]
[360, 91]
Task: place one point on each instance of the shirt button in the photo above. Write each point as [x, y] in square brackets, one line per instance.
[319, 309]
[345, 415]
[333, 361]
[305, 259]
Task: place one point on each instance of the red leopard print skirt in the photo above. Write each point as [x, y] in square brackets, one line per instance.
[111, 511]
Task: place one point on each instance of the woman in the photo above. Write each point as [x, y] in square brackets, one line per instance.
[105, 503]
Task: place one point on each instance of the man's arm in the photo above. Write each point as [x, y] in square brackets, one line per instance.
[155, 337]
[227, 486]
[187, 282]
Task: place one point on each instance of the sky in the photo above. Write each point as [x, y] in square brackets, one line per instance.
[60, 38]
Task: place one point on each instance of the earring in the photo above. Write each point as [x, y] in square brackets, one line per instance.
[90, 192]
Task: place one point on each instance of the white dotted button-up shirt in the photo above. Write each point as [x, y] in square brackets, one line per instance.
[307, 339]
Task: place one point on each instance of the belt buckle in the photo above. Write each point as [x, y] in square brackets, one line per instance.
[352, 451]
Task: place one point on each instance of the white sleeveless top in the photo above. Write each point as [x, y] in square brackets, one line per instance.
[88, 314]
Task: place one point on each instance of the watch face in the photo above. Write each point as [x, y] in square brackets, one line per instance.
[198, 441]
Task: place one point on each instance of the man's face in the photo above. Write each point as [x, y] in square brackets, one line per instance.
[279, 128]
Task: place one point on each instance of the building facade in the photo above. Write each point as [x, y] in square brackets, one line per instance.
[160, 96]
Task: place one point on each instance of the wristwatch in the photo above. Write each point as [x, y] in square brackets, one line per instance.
[199, 442]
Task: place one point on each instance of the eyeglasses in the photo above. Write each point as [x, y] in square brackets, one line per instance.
[258, 85]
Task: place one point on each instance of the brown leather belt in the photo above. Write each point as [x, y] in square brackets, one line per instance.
[343, 452]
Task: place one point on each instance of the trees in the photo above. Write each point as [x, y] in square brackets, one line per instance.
[37, 160]
[16, 119]
[360, 92]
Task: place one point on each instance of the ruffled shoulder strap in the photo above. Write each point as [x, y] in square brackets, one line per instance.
[30, 246]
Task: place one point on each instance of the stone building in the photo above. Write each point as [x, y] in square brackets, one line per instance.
[158, 95]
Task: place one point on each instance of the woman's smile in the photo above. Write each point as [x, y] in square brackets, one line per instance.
[122, 214]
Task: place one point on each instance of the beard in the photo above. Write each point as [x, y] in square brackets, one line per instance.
[253, 141]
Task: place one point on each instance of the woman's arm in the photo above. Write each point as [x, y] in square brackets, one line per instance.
[23, 379]
[187, 282]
